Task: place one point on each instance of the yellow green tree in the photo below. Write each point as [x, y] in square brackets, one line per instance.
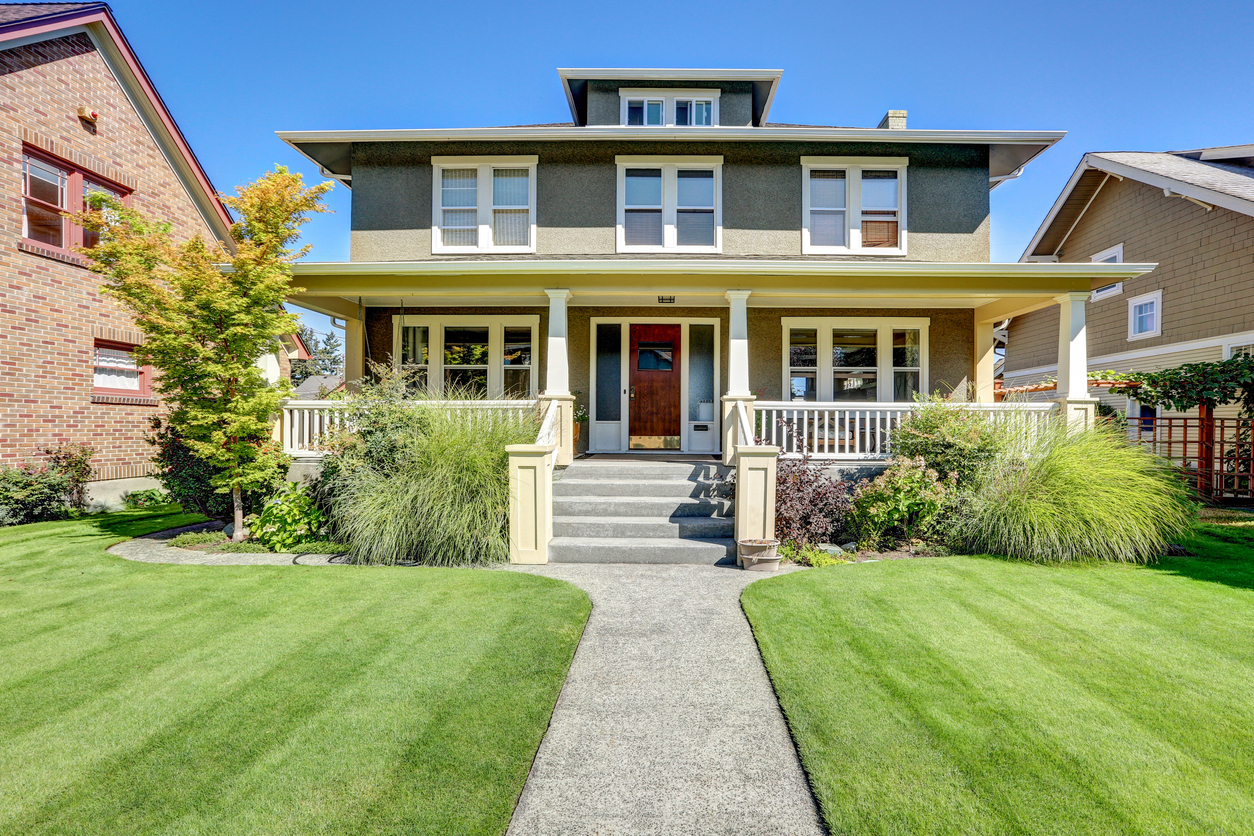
[209, 312]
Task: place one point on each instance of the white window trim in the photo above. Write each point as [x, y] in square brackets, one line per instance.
[1228, 347]
[853, 167]
[484, 166]
[884, 327]
[668, 97]
[1104, 255]
[1157, 298]
[496, 326]
[669, 166]
[1106, 292]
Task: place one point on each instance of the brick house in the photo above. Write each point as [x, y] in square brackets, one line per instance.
[1191, 212]
[77, 113]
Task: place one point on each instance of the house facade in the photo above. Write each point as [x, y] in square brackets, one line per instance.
[671, 251]
[1191, 212]
[80, 115]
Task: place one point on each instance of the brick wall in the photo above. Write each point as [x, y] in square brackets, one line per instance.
[51, 307]
[1205, 271]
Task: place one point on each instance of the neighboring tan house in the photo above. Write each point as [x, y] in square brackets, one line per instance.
[78, 113]
[671, 253]
[1191, 212]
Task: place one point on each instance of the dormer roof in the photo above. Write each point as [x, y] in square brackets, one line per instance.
[575, 85]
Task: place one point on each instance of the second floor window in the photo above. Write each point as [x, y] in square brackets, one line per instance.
[49, 189]
[854, 205]
[669, 108]
[669, 205]
[483, 205]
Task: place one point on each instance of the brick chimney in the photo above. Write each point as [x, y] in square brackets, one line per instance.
[894, 120]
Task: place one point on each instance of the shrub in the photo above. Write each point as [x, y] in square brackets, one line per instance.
[949, 439]
[808, 555]
[416, 481]
[49, 490]
[1064, 492]
[291, 517]
[908, 495]
[189, 479]
[196, 538]
[148, 498]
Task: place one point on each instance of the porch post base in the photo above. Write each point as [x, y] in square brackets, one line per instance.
[530, 502]
[1079, 411]
[755, 493]
[730, 428]
[565, 426]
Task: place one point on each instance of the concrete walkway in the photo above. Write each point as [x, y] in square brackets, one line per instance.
[667, 723]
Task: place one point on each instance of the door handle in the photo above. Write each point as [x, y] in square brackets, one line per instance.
[633, 393]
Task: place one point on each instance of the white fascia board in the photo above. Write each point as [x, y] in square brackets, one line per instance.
[704, 134]
[723, 266]
[1056, 208]
[1235, 204]
[1228, 152]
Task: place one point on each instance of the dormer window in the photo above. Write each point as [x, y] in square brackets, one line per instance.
[669, 108]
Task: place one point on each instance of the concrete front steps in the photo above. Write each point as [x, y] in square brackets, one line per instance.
[620, 511]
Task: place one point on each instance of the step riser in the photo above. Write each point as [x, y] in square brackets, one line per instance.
[586, 487]
[589, 551]
[610, 472]
[630, 507]
[589, 527]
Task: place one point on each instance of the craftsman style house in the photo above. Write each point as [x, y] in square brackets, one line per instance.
[1192, 212]
[702, 279]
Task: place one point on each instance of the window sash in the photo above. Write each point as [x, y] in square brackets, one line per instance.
[502, 215]
[691, 226]
[72, 186]
[1144, 317]
[877, 358]
[505, 335]
[865, 223]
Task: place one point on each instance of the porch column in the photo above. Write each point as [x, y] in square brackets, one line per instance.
[557, 375]
[1073, 358]
[737, 373]
[354, 353]
[985, 362]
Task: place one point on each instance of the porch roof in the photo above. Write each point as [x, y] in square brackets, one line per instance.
[995, 290]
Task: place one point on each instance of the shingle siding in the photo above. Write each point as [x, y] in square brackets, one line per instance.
[1205, 271]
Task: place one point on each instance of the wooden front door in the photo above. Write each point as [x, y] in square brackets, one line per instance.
[654, 422]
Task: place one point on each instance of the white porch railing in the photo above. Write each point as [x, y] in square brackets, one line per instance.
[305, 425]
[862, 430]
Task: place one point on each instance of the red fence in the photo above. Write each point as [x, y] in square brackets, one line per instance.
[1215, 455]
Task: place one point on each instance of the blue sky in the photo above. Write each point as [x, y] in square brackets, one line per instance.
[1116, 76]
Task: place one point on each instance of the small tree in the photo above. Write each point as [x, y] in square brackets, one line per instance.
[208, 315]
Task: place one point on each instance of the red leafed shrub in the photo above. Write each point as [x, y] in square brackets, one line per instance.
[810, 506]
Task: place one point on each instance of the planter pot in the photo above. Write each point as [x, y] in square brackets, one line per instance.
[577, 426]
[758, 555]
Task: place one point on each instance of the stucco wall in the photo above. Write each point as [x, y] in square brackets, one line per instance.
[735, 101]
[1205, 271]
[576, 196]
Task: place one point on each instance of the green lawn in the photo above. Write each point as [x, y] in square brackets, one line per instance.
[972, 695]
[143, 699]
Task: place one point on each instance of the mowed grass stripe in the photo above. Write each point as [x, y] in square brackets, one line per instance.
[969, 695]
[278, 700]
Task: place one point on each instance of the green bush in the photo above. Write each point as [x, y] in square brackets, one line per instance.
[48, 490]
[806, 554]
[908, 495]
[1064, 492]
[187, 478]
[149, 498]
[289, 518]
[416, 481]
[196, 538]
[949, 438]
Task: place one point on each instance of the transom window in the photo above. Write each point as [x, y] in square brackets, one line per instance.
[1145, 316]
[50, 189]
[671, 205]
[854, 204]
[836, 359]
[483, 204]
[490, 355]
[669, 108]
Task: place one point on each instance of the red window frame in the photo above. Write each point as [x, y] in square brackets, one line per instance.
[71, 234]
[145, 373]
